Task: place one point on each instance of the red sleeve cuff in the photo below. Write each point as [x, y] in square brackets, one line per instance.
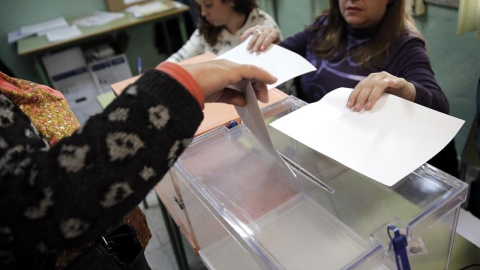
[183, 77]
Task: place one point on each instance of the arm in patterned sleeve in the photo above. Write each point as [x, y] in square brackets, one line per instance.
[60, 197]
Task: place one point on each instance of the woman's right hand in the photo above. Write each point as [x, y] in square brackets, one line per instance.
[262, 37]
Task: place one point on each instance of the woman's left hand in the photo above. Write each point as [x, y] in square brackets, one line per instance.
[370, 89]
[262, 37]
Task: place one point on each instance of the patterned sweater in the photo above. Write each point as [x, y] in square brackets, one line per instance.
[406, 58]
[60, 197]
[197, 45]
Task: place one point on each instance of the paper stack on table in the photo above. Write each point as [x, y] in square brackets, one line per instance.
[59, 34]
[144, 10]
[40, 28]
[98, 18]
[44, 26]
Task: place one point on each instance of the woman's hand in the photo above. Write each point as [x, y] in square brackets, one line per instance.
[262, 37]
[214, 76]
[370, 89]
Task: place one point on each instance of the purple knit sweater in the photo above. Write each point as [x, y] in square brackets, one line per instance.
[407, 58]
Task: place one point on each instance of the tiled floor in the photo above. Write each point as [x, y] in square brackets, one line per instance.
[159, 252]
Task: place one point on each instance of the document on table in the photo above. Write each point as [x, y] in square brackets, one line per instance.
[386, 144]
[44, 26]
[16, 35]
[63, 33]
[149, 8]
[36, 28]
[281, 63]
[98, 18]
[130, 2]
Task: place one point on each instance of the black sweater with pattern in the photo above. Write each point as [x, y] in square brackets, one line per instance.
[56, 198]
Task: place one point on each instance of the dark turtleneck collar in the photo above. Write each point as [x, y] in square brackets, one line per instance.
[361, 33]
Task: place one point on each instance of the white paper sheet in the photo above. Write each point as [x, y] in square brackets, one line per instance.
[63, 33]
[44, 26]
[16, 35]
[144, 10]
[129, 2]
[98, 18]
[280, 62]
[385, 144]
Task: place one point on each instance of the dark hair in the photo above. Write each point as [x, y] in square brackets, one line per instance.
[395, 21]
[210, 32]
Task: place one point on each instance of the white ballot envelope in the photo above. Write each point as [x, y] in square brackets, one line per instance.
[281, 63]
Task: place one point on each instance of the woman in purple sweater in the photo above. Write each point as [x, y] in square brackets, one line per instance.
[371, 46]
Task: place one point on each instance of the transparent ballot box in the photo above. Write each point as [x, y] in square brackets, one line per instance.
[246, 210]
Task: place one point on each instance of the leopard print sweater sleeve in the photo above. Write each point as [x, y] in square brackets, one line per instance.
[54, 198]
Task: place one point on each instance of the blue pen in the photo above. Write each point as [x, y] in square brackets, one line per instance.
[139, 65]
[399, 242]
